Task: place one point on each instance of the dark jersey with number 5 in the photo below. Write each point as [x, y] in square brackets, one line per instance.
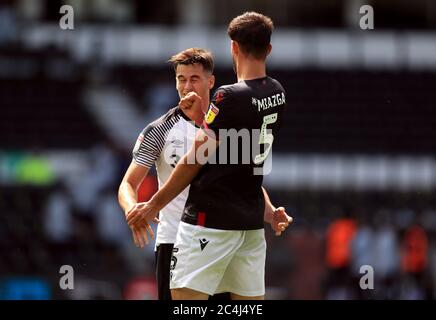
[245, 118]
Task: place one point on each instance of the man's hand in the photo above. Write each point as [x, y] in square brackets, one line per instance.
[278, 219]
[140, 235]
[191, 106]
[139, 225]
[141, 214]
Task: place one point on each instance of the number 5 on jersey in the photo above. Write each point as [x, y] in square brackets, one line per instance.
[265, 137]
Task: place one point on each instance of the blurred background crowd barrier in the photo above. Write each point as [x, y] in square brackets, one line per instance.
[354, 165]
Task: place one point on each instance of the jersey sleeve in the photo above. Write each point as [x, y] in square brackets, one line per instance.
[147, 148]
[218, 114]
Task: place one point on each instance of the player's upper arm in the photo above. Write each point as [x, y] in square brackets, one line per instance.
[148, 146]
[219, 114]
[145, 152]
[135, 174]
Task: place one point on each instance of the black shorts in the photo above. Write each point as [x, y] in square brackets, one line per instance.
[163, 262]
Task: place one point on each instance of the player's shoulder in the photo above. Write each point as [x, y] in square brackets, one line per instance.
[233, 88]
[163, 123]
[226, 92]
[277, 84]
[244, 86]
[171, 115]
[223, 90]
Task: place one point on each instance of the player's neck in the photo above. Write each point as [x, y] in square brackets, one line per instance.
[251, 69]
[205, 105]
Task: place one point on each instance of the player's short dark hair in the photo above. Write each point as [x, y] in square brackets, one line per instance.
[192, 56]
[252, 31]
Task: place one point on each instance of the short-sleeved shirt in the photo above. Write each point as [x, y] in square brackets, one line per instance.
[163, 143]
[229, 196]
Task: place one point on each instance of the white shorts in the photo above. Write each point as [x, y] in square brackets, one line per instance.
[214, 261]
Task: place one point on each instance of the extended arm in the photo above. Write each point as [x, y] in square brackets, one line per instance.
[276, 217]
[128, 200]
[185, 171]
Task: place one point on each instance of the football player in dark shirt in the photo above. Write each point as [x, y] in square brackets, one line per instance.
[220, 244]
[162, 143]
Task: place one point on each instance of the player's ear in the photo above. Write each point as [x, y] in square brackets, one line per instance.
[269, 49]
[177, 81]
[234, 48]
[211, 81]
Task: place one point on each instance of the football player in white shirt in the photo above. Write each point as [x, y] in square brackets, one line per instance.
[163, 142]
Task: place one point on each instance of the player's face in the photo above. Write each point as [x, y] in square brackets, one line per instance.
[193, 77]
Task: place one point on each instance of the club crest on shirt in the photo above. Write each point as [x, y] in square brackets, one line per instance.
[219, 96]
[211, 114]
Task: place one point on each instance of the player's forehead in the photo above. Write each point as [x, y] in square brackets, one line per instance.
[189, 70]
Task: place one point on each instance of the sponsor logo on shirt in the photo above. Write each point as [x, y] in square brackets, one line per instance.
[176, 142]
[174, 157]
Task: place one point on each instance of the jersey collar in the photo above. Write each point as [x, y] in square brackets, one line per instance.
[184, 116]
